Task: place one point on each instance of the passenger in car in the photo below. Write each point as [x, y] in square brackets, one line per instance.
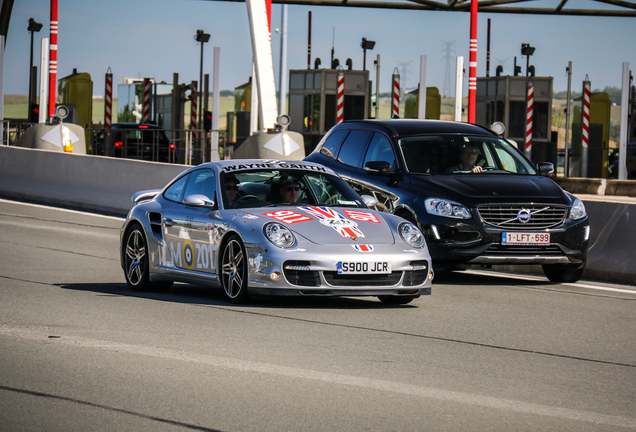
[467, 160]
[231, 190]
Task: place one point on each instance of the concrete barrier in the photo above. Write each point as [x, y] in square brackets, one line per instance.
[90, 183]
[105, 185]
[597, 186]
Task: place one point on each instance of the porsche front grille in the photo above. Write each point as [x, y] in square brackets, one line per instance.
[507, 216]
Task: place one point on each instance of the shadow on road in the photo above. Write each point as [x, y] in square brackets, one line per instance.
[199, 295]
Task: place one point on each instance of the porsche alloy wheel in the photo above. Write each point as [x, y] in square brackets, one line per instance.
[234, 270]
[136, 263]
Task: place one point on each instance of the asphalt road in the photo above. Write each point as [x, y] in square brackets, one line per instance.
[484, 352]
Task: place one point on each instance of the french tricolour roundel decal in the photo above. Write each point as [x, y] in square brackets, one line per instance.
[188, 255]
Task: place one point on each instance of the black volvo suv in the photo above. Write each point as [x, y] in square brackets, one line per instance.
[476, 197]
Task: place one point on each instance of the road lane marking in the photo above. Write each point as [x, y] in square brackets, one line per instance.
[43, 335]
[539, 278]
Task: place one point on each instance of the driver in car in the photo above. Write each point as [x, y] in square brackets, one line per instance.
[289, 192]
[467, 160]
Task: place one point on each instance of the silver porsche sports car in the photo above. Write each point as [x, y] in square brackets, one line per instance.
[263, 227]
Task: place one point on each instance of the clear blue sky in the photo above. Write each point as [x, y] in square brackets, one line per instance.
[155, 38]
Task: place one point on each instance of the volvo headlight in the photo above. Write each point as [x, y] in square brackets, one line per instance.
[411, 235]
[578, 210]
[279, 235]
[451, 209]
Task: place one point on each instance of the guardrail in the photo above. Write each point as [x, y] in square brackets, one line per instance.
[105, 185]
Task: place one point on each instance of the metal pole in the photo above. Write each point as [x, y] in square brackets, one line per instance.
[200, 95]
[31, 75]
[421, 106]
[488, 51]
[282, 81]
[566, 166]
[622, 149]
[459, 87]
[53, 59]
[216, 103]
[309, 43]
[377, 89]
[44, 83]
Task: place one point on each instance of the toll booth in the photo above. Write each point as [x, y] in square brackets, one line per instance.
[598, 136]
[76, 93]
[313, 99]
[238, 121]
[433, 103]
[504, 99]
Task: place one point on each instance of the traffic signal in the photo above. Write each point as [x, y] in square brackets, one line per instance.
[207, 120]
[34, 113]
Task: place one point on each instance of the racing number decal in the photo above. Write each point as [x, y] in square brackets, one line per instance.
[288, 217]
[362, 216]
[188, 255]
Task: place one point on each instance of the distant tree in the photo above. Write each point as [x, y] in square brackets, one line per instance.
[614, 93]
[226, 93]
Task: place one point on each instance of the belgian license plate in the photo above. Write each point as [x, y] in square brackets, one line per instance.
[373, 267]
[524, 238]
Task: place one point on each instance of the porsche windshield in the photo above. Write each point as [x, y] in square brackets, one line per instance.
[263, 188]
[461, 154]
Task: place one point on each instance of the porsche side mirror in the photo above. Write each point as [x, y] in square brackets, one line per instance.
[546, 168]
[369, 201]
[382, 168]
[199, 200]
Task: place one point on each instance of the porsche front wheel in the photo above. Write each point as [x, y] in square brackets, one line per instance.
[234, 270]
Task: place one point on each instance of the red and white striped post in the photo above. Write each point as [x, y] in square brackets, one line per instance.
[340, 106]
[586, 126]
[146, 102]
[529, 115]
[193, 115]
[53, 60]
[472, 65]
[395, 95]
[108, 100]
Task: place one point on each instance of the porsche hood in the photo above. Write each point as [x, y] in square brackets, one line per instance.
[328, 225]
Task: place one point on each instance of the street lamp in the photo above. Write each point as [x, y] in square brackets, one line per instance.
[33, 27]
[527, 51]
[366, 44]
[203, 38]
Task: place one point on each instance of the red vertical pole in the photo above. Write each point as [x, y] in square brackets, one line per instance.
[472, 69]
[108, 105]
[309, 44]
[268, 7]
[146, 101]
[53, 59]
[529, 118]
[395, 96]
[340, 107]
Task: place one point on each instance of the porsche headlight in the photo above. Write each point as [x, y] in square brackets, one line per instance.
[279, 235]
[411, 235]
[578, 210]
[451, 209]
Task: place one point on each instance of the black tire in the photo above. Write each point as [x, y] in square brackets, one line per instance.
[397, 300]
[234, 270]
[564, 272]
[136, 262]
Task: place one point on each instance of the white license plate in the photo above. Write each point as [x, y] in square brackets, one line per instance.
[372, 267]
[521, 238]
